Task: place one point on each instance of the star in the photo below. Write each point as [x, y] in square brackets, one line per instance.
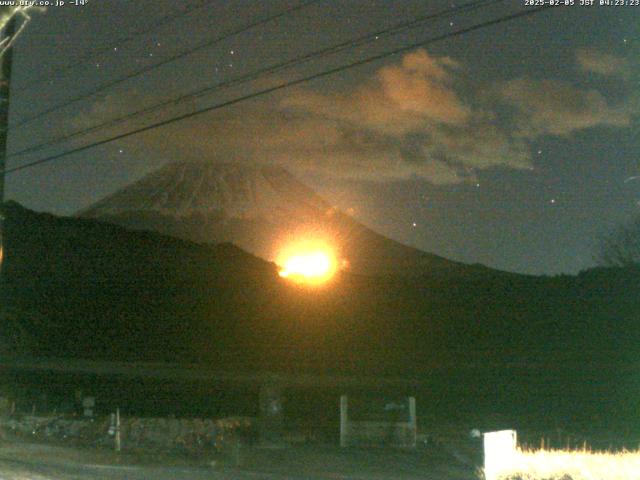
[414, 224]
[552, 201]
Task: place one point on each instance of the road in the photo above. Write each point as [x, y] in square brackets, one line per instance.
[24, 461]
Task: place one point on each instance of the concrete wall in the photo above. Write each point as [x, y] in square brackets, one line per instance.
[370, 433]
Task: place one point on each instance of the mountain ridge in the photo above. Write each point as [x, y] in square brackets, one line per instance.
[82, 261]
[260, 208]
[74, 288]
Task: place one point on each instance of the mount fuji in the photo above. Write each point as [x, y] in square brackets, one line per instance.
[259, 208]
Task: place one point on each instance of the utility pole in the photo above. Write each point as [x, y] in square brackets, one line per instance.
[5, 84]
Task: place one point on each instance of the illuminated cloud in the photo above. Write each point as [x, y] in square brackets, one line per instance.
[479, 146]
[303, 143]
[605, 64]
[555, 107]
[407, 120]
[401, 99]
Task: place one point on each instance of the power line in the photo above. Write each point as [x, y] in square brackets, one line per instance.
[171, 17]
[396, 28]
[201, 46]
[281, 87]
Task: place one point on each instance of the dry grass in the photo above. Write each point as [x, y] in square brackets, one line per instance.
[571, 465]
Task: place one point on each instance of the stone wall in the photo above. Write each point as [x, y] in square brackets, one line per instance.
[191, 434]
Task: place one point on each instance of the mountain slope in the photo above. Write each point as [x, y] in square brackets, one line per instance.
[90, 279]
[81, 289]
[259, 208]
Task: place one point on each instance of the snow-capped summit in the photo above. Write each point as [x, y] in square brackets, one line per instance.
[257, 207]
[183, 189]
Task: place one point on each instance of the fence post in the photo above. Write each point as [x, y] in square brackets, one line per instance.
[413, 420]
[344, 421]
[118, 444]
[271, 420]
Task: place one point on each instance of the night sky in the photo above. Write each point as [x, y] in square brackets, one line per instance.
[515, 146]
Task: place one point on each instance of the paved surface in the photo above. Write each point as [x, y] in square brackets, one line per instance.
[23, 461]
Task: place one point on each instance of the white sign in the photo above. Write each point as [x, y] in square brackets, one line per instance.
[499, 452]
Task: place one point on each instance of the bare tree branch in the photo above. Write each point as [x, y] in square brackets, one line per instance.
[621, 248]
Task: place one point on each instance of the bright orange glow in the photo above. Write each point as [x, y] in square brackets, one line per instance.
[308, 262]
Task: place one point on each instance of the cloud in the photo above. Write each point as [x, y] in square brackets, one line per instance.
[401, 99]
[421, 86]
[479, 146]
[605, 64]
[307, 144]
[414, 118]
[556, 107]
[407, 120]
[117, 105]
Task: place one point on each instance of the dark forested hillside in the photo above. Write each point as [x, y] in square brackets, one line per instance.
[95, 290]
[78, 288]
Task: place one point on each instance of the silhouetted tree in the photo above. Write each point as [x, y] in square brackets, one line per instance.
[621, 248]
